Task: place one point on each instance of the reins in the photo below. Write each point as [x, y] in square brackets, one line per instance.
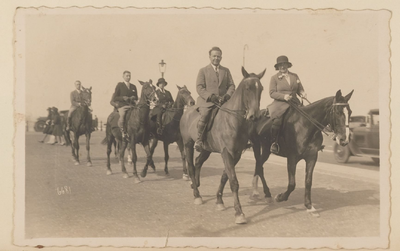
[317, 124]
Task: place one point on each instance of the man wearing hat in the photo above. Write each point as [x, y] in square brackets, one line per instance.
[214, 85]
[283, 87]
[165, 100]
[124, 96]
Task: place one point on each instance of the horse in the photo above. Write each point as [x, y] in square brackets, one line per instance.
[81, 123]
[137, 121]
[228, 136]
[171, 132]
[301, 139]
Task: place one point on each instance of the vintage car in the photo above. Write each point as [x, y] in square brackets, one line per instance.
[364, 138]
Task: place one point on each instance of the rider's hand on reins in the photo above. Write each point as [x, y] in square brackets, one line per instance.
[287, 97]
[214, 98]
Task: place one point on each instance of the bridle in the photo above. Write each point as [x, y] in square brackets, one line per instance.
[331, 121]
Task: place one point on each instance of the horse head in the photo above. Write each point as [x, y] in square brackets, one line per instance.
[339, 118]
[86, 95]
[184, 96]
[251, 93]
[148, 92]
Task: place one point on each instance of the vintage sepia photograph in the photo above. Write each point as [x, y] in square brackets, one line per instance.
[202, 127]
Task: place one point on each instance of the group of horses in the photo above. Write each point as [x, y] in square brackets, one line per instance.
[237, 122]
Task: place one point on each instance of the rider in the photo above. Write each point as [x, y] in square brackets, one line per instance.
[283, 87]
[165, 100]
[76, 102]
[125, 95]
[214, 84]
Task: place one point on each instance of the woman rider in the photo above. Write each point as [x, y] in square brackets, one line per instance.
[283, 87]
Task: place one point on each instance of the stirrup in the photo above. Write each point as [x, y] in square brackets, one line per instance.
[274, 148]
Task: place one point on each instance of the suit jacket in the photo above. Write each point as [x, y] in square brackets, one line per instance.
[207, 84]
[164, 97]
[122, 90]
[278, 88]
[76, 98]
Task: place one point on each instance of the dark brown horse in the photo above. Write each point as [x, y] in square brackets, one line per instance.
[81, 124]
[227, 136]
[171, 132]
[301, 139]
[137, 120]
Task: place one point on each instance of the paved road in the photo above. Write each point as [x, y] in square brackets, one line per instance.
[96, 205]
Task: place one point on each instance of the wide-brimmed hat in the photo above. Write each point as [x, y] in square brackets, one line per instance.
[161, 81]
[280, 60]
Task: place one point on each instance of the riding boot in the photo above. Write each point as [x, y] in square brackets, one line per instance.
[125, 136]
[274, 138]
[68, 124]
[159, 124]
[201, 126]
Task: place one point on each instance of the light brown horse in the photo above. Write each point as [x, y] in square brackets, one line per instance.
[227, 136]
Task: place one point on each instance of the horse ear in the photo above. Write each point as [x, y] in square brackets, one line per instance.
[178, 87]
[90, 88]
[261, 74]
[338, 94]
[150, 81]
[348, 96]
[244, 72]
[141, 82]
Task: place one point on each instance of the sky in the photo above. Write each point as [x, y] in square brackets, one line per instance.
[329, 50]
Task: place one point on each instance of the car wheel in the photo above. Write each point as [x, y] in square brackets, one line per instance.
[341, 153]
[39, 126]
[376, 160]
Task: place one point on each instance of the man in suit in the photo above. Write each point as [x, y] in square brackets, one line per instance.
[284, 86]
[125, 95]
[76, 102]
[214, 85]
[165, 100]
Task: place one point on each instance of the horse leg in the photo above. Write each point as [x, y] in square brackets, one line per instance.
[166, 157]
[110, 141]
[230, 162]
[153, 146]
[291, 169]
[134, 160]
[260, 172]
[121, 158]
[310, 164]
[89, 160]
[220, 202]
[189, 150]
[76, 148]
[203, 156]
[185, 175]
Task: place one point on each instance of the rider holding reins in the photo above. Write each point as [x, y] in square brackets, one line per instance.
[283, 89]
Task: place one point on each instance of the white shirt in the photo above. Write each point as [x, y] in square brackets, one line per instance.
[216, 68]
[127, 84]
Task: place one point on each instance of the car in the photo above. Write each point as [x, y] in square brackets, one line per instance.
[364, 138]
[40, 123]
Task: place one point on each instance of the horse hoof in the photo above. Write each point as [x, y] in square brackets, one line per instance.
[277, 199]
[109, 172]
[125, 176]
[185, 177]
[221, 207]
[255, 196]
[313, 212]
[269, 200]
[76, 163]
[167, 173]
[143, 174]
[240, 219]
[198, 201]
[137, 180]
[89, 164]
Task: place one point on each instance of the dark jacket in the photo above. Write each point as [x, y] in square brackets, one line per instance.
[164, 97]
[122, 90]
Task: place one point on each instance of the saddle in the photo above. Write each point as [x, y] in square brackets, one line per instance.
[210, 121]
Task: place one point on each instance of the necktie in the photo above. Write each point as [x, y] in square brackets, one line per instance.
[216, 72]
